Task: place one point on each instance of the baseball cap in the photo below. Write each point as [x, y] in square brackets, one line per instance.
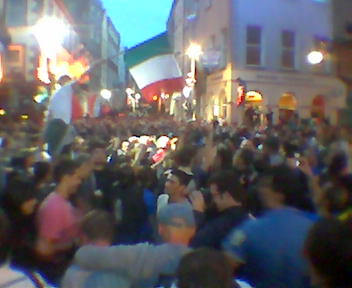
[177, 215]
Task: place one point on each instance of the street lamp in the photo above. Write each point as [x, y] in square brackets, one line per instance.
[106, 94]
[194, 51]
[315, 57]
[50, 33]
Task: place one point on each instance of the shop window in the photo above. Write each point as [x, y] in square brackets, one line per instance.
[254, 39]
[15, 57]
[288, 50]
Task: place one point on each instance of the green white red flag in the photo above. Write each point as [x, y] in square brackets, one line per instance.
[153, 66]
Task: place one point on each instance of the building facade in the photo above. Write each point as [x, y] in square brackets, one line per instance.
[342, 50]
[103, 41]
[263, 47]
[27, 63]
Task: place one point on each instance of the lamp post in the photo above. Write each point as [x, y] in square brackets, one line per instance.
[50, 33]
[194, 52]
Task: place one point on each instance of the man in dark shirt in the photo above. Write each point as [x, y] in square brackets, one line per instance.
[227, 195]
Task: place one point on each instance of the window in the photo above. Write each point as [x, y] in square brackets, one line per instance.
[254, 39]
[16, 13]
[288, 50]
[15, 57]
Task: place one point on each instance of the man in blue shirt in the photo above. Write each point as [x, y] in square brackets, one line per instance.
[269, 249]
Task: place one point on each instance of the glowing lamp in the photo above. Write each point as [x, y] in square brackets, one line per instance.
[194, 51]
[106, 94]
[315, 57]
[155, 98]
[50, 33]
[2, 112]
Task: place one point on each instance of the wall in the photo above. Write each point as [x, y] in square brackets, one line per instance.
[308, 18]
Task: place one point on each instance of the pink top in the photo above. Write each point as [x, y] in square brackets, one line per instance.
[57, 220]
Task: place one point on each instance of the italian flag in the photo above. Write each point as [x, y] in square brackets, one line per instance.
[154, 68]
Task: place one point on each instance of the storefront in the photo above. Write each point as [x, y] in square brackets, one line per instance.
[218, 102]
[318, 107]
[286, 94]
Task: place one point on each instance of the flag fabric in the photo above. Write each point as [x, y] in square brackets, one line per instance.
[154, 68]
[65, 105]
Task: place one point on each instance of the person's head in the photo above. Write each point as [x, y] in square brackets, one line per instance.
[63, 80]
[98, 228]
[86, 165]
[204, 268]
[22, 196]
[333, 199]
[176, 223]
[42, 171]
[271, 145]
[226, 189]
[328, 248]
[243, 160]
[98, 151]
[281, 186]
[176, 184]
[147, 177]
[338, 165]
[67, 177]
[184, 156]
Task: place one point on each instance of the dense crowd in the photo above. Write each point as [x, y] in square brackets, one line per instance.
[150, 202]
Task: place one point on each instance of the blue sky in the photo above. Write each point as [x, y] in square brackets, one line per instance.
[138, 20]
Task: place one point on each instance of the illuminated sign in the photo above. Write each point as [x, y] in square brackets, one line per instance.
[254, 96]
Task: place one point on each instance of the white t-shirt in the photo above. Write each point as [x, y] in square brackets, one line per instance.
[10, 278]
[60, 106]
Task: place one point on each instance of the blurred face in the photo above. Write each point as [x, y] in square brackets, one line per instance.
[172, 185]
[218, 199]
[269, 198]
[85, 169]
[72, 181]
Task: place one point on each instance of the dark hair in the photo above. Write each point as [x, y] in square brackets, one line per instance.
[64, 167]
[247, 156]
[41, 170]
[272, 143]
[182, 176]
[338, 163]
[184, 156]
[337, 197]
[228, 181]
[288, 182]
[98, 225]
[206, 268]
[19, 191]
[147, 177]
[329, 249]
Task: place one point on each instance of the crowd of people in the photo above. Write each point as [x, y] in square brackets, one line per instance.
[151, 202]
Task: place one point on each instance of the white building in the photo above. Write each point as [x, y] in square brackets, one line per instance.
[265, 45]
